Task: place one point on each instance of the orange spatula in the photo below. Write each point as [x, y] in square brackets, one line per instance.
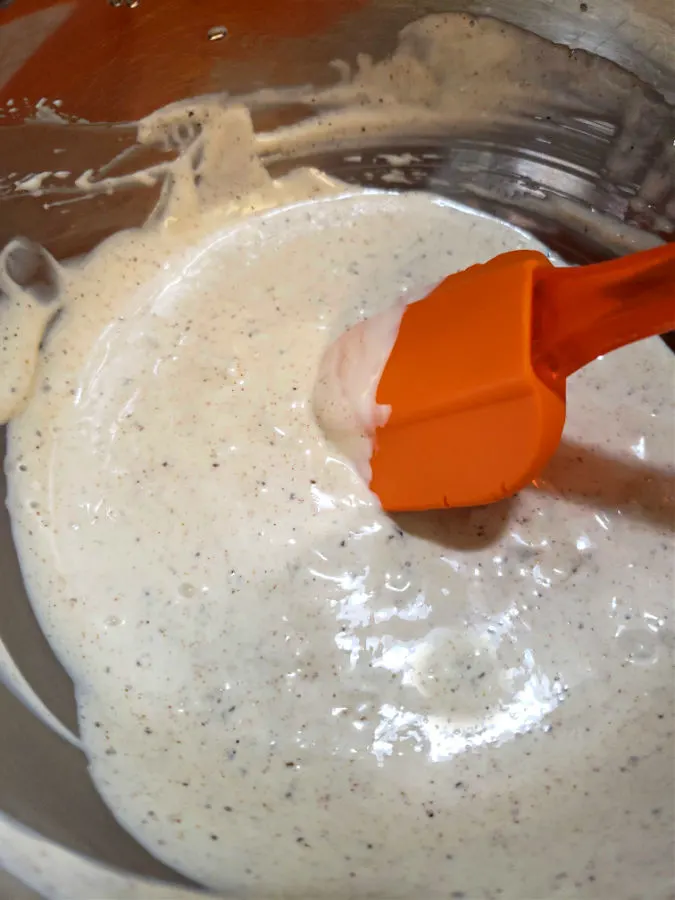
[476, 377]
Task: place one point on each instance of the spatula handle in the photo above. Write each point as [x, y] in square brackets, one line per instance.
[584, 312]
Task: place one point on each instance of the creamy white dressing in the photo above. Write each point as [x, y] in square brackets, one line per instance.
[348, 374]
[281, 690]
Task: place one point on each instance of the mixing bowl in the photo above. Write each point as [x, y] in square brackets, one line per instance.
[585, 161]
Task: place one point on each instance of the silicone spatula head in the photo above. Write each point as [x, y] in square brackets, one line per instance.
[470, 402]
[471, 419]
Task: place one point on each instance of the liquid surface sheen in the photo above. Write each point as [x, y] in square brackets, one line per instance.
[282, 690]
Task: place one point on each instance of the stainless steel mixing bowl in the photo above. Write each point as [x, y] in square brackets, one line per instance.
[589, 184]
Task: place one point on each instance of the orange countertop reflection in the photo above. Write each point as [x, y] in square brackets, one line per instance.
[117, 63]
